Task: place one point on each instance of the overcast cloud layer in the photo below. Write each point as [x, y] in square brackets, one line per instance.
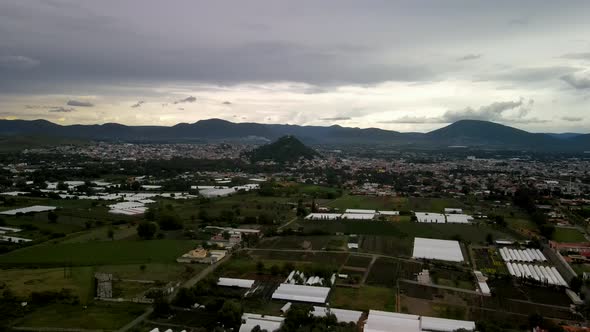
[400, 65]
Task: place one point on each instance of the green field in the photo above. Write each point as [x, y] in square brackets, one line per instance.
[368, 202]
[98, 316]
[23, 282]
[568, 235]
[99, 253]
[364, 298]
[316, 242]
[152, 271]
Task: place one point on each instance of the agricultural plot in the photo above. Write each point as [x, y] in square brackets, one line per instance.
[453, 278]
[368, 202]
[358, 261]
[386, 271]
[571, 235]
[98, 253]
[152, 271]
[488, 261]
[329, 259]
[475, 233]
[305, 242]
[433, 204]
[23, 282]
[100, 315]
[364, 298]
[386, 245]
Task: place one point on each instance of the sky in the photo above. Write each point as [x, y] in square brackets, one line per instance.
[399, 65]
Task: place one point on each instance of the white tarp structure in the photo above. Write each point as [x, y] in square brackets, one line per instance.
[381, 321]
[323, 216]
[429, 217]
[444, 250]
[358, 216]
[233, 282]
[30, 209]
[301, 293]
[459, 218]
[342, 315]
[268, 323]
[526, 255]
[130, 208]
[360, 211]
[544, 274]
[453, 210]
[388, 213]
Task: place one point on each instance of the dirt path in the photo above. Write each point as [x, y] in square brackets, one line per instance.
[366, 275]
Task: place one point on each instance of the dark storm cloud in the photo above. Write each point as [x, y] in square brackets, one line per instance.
[572, 118]
[189, 99]
[62, 110]
[138, 104]
[79, 103]
[579, 80]
[336, 118]
[469, 57]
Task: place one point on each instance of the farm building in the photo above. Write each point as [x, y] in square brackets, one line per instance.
[323, 216]
[301, 293]
[30, 209]
[388, 213]
[358, 216]
[453, 210]
[459, 218]
[526, 255]
[360, 211]
[265, 322]
[233, 282]
[444, 250]
[544, 274]
[342, 315]
[429, 217]
[382, 321]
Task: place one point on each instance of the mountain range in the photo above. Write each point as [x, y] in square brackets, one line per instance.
[471, 133]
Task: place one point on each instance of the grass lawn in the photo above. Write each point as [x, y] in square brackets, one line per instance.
[433, 204]
[99, 253]
[317, 242]
[568, 235]
[101, 315]
[101, 234]
[24, 282]
[153, 271]
[364, 298]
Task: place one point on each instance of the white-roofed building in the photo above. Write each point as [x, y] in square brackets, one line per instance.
[342, 315]
[233, 282]
[358, 216]
[360, 211]
[301, 293]
[268, 323]
[445, 325]
[323, 216]
[30, 209]
[429, 217]
[444, 250]
[459, 218]
[453, 210]
[389, 213]
[382, 321]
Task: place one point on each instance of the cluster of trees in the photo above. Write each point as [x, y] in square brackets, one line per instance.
[527, 199]
[299, 318]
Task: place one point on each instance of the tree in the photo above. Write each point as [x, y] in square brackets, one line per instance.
[489, 238]
[231, 312]
[259, 266]
[62, 186]
[111, 234]
[169, 221]
[274, 270]
[147, 229]
[161, 306]
[52, 217]
[576, 284]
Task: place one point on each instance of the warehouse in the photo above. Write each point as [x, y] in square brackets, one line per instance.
[459, 218]
[360, 211]
[358, 216]
[265, 322]
[30, 209]
[381, 321]
[233, 282]
[342, 315]
[301, 293]
[388, 213]
[444, 250]
[429, 217]
[323, 216]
